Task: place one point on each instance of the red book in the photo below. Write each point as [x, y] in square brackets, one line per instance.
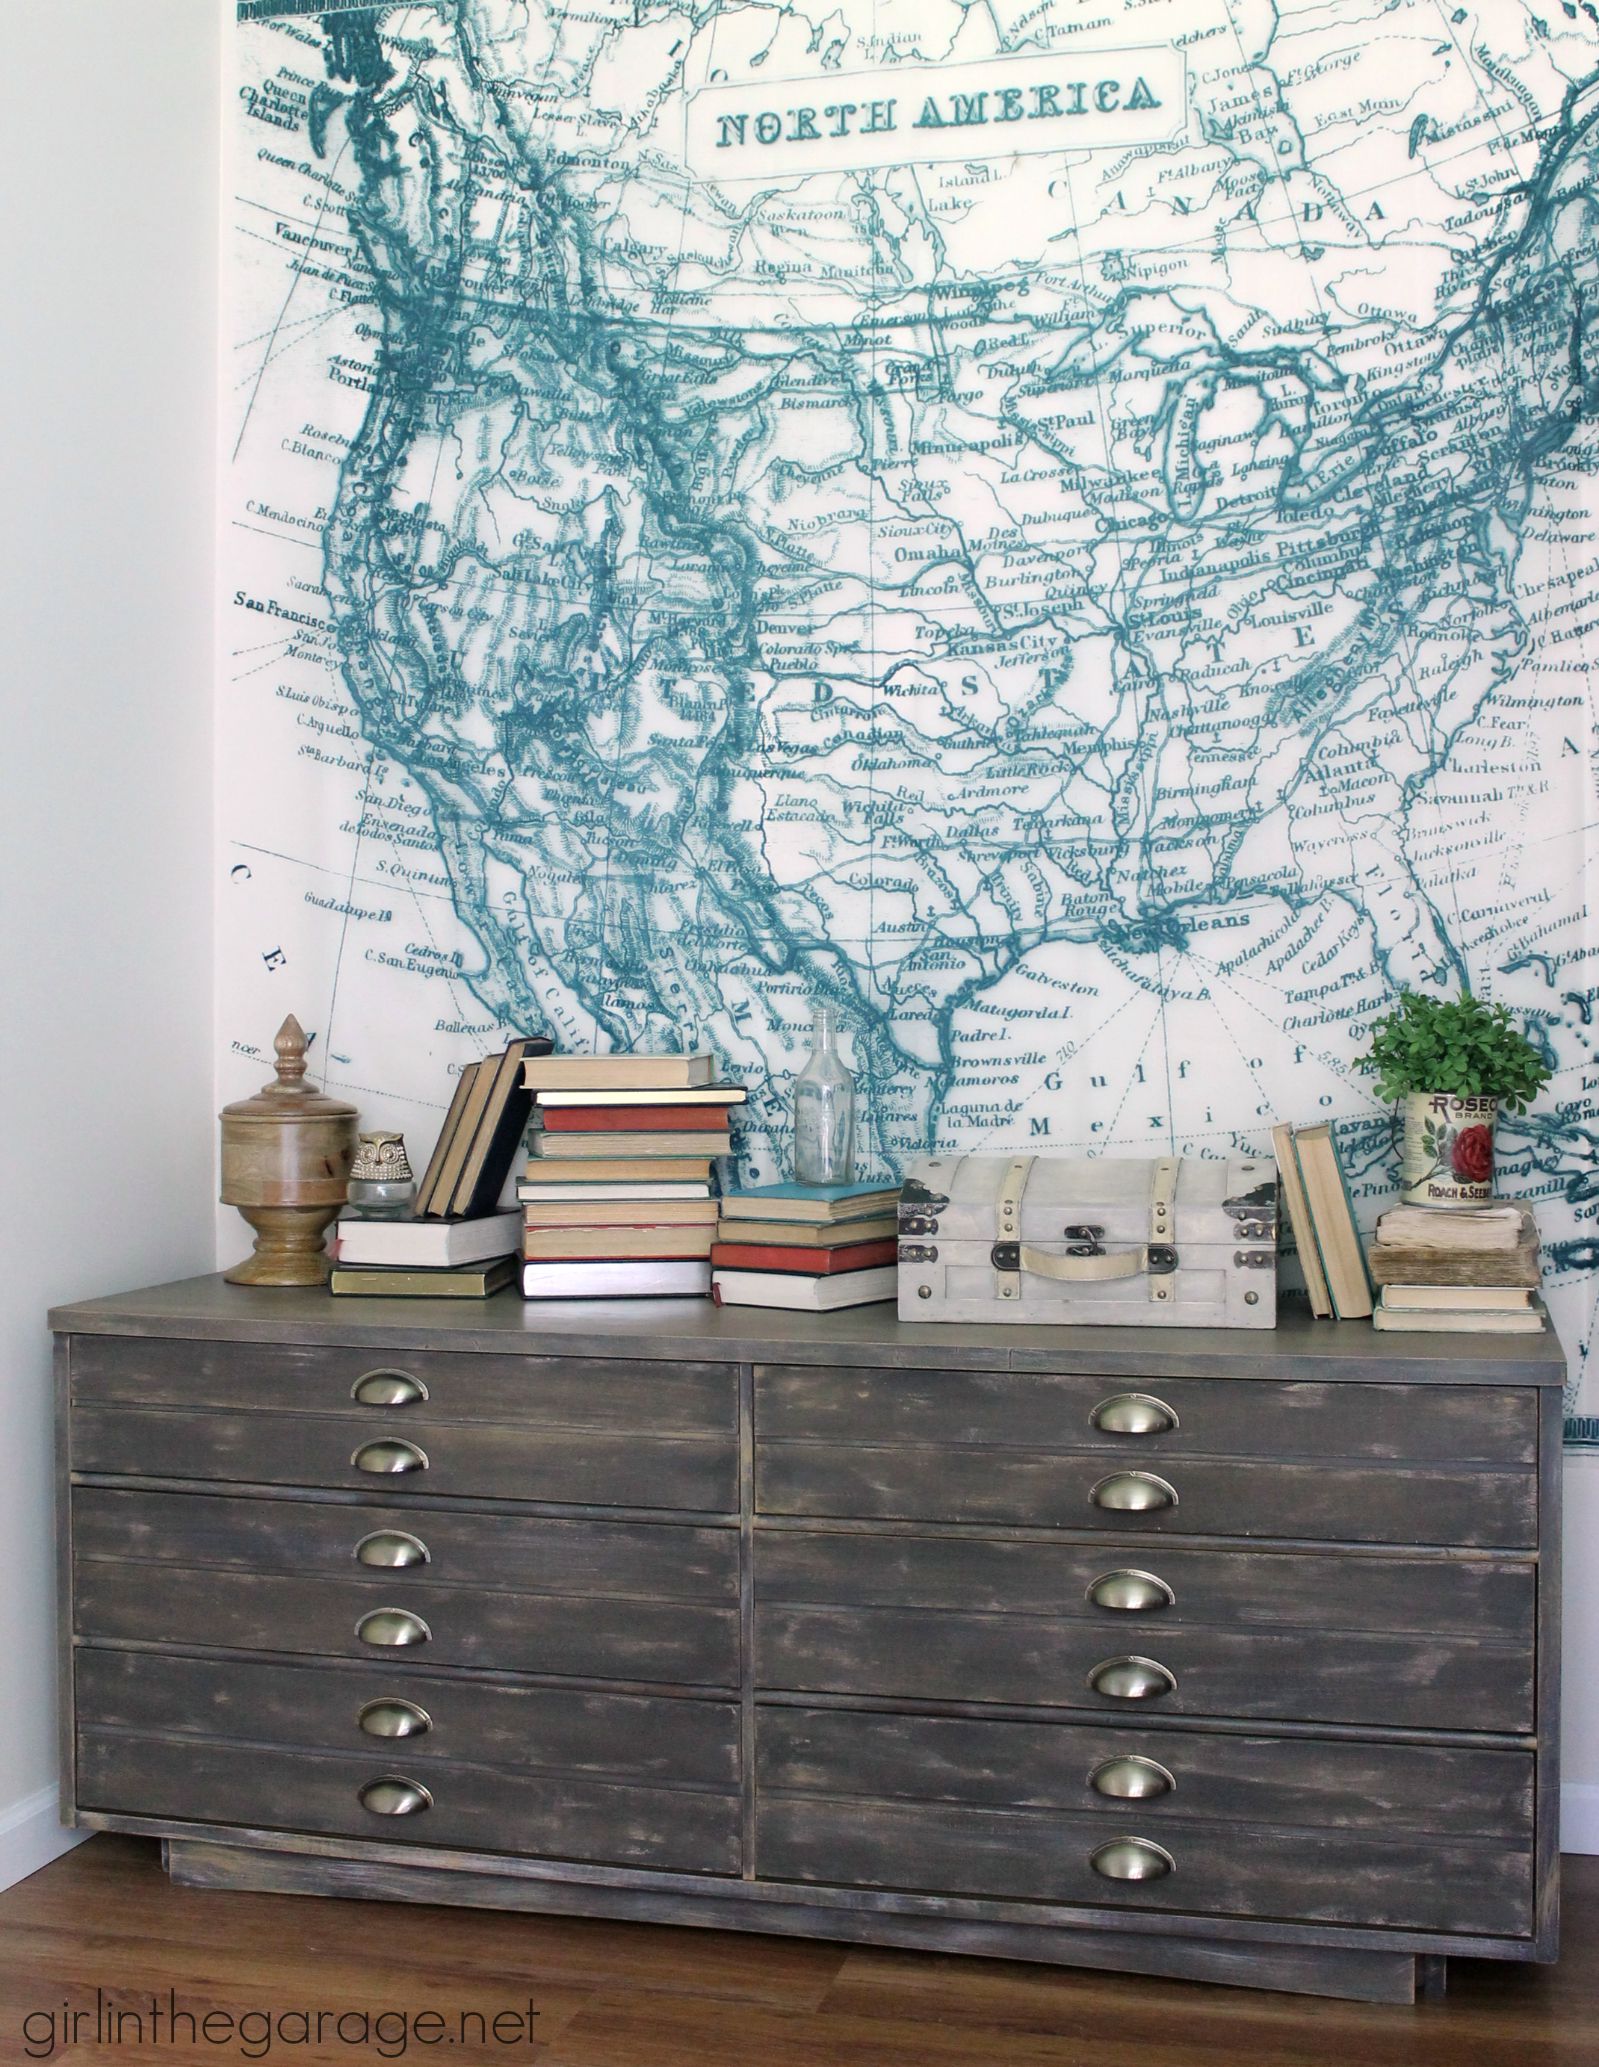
[635, 1119]
[810, 1263]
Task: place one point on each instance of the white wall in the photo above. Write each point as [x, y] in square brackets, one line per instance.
[1579, 1819]
[108, 165]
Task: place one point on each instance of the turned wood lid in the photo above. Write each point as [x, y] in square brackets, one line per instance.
[291, 1095]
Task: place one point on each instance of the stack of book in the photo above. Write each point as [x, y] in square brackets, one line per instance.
[1321, 1215]
[425, 1259]
[617, 1195]
[456, 1243]
[1465, 1270]
[814, 1248]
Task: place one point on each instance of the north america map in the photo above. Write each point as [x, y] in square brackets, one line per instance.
[1069, 531]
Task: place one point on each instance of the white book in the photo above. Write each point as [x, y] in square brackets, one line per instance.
[1476, 1320]
[428, 1244]
[646, 1279]
[679, 1094]
[805, 1294]
[591, 1194]
[1456, 1298]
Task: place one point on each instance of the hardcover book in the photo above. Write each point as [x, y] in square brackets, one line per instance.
[803, 1294]
[613, 1244]
[697, 1095]
[640, 1146]
[501, 1123]
[427, 1244]
[1530, 1320]
[627, 1212]
[811, 1202]
[794, 1234]
[464, 1281]
[551, 1169]
[624, 1192]
[1332, 1216]
[1298, 1206]
[803, 1262]
[621, 1119]
[641, 1280]
[426, 1190]
[618, 1072]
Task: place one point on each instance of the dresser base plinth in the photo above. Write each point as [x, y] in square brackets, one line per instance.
[1356, 1976]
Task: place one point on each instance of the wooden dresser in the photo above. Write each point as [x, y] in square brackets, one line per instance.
[1227, 1655]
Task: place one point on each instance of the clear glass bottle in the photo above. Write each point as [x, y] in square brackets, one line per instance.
[824, 1108]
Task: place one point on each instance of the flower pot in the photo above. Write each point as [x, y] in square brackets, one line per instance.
[1449, 1149]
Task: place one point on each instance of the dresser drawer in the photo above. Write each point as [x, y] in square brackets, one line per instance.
[390, 1798]
[403, 1453]
[1126, 1420]
[1427, 1643]
[1404, 1838]
[385, 1708]
[430, 1547]
[624, 1395]
[570, 1430]
[676, 1643]
[1145, 1498]
[1355, 1463]
[1307, 1783]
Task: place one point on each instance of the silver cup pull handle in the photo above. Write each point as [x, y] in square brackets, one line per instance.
[393, 1796]
[394, 1719]
[389, 1458]
[392, 1550]
[1131, 1779]
[1131, 1593]
[1133, 1492]
[388, 1389]
[1132, 1679]
[1132, 1858]
[1134, 1413]
[392, 1627]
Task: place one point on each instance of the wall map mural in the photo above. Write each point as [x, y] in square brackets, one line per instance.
[1070, 532]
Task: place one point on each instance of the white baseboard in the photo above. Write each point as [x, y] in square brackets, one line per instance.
[31, 1835]
[1579, 1817]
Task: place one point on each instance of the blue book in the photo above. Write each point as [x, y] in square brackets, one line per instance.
[817, 1203]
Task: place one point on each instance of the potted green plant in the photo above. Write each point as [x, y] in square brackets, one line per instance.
[1452, 1062]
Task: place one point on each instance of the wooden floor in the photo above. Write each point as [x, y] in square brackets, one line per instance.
[639, 1995]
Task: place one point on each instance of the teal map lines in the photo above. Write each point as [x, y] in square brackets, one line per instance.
[1105, 609]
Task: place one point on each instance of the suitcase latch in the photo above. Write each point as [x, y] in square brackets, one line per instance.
[1086, 1239]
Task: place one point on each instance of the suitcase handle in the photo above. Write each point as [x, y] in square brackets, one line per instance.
[1082, 1270]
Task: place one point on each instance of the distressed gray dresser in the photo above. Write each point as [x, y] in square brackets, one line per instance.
[1228, 1655]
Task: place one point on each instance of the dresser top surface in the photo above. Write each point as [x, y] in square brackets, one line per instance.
[209, 1309]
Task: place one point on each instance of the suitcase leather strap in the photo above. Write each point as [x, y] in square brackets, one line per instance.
[1085, 1270]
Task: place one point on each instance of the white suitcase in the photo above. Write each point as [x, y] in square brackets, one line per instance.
[1158, 1242]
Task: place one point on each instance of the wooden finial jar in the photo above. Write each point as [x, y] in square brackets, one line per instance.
[286, 1156]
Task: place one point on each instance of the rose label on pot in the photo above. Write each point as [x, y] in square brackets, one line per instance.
[1449, 1149]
